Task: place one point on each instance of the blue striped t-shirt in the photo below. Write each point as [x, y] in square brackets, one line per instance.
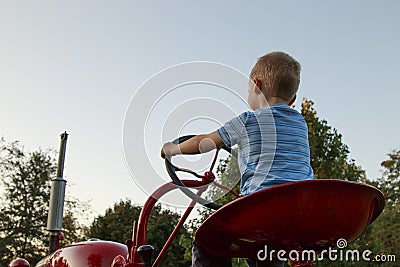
[273, 147]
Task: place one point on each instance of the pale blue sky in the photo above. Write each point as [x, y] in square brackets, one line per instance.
[75, 65]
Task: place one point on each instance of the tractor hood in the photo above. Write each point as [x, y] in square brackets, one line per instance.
[83, 254]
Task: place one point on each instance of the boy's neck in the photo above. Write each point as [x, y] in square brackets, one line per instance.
[272, 102]
[276, 100]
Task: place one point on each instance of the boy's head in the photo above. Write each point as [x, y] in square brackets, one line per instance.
[277, 75]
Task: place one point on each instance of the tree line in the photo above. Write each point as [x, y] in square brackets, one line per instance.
[25, 180]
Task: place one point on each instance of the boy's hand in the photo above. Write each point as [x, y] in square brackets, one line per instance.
[169, 149]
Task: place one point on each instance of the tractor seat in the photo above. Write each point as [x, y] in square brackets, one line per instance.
[311, 214]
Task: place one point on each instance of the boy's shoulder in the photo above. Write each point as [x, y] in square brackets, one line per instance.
[284, 109]
[269, 114]
[274, 110]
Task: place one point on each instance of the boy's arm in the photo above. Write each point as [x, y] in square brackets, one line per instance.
[198, 144]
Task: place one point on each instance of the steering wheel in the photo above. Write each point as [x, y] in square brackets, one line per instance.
[172, 170]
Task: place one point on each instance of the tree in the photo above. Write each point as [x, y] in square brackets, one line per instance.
[25, 180]
[329, 155]
[385, 231]
[389, 183]
[116, 225]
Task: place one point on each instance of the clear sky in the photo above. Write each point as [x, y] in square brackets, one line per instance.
[75, 66]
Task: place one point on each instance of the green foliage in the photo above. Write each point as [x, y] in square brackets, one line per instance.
[329, 155]
[389, 183]
[386, 229]
[25, 180]
[228, 174]
[116, 225]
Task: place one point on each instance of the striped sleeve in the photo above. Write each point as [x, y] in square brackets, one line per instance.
[233, 130]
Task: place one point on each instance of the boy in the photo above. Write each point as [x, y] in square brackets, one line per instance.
[272, 139]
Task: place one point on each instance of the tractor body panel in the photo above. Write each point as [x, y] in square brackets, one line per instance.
[83, 254]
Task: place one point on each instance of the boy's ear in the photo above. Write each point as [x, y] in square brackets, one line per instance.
[257, 83]
[292, 101]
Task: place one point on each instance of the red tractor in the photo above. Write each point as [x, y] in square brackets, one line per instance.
[313, 216]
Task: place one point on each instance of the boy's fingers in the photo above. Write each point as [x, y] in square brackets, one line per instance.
[167, 149]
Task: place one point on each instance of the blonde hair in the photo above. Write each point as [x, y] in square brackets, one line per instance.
[279, 74]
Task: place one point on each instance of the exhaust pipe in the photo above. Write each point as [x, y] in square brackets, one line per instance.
[57, 195]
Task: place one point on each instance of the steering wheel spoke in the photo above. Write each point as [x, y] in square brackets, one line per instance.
[172, 171]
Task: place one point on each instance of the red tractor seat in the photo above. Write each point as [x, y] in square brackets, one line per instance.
[310, 214]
